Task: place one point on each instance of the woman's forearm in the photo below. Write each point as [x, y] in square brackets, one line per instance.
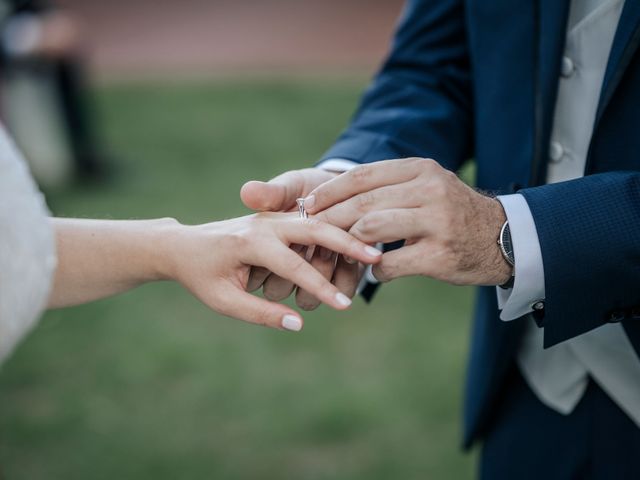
[100, 258]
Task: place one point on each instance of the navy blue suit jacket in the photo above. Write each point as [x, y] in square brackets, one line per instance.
[478, 79]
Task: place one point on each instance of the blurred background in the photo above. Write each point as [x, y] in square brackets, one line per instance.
[140, 109]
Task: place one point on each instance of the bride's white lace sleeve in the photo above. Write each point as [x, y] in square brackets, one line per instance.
[27, 248]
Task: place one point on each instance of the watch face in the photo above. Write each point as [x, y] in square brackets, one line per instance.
[506, 244]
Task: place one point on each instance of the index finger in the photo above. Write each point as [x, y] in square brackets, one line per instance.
[362, 179]
[313, 232]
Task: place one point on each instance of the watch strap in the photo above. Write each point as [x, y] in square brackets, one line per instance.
[505, 239]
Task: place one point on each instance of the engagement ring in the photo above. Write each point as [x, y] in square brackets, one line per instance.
[301, 209]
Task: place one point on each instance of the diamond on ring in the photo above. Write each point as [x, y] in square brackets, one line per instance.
[301, 209]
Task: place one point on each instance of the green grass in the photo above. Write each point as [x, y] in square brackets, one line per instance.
[151, 385]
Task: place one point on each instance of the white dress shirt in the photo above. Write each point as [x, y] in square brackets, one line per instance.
[560, 374]
[27, 248]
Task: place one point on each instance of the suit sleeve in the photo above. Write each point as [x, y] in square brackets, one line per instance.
[589, 233]
[419, 104]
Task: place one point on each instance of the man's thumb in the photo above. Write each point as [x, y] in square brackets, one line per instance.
[264, 196]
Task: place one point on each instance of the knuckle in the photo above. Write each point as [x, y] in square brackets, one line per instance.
[262, 316]
[423, 164]
[354, 244]
[221, 302]
[448, 177]
[365, 200]
[449, 259]
[384, 271]
[327, 216]
[297, 266]
[238, 240]
[449, 174]
[410, 220]
[416, 189]
[312, 224]
[438, 189]
[445, 244]
[369, 224]
[361, 174]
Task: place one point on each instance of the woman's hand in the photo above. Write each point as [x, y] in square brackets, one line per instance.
[214, 261]
[100, 258]
[279, 195]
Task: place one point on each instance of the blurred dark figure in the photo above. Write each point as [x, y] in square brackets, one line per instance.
[44, 102]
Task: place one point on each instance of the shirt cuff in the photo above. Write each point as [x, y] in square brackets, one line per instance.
[337, 165]
[528, 287]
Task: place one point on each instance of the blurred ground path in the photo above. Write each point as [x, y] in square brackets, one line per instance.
[151, 37]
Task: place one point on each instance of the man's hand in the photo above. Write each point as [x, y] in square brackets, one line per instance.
[450, 229]
[279, 195]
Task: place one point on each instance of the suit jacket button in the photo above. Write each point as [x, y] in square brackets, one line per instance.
[556, 152]
[567, 67]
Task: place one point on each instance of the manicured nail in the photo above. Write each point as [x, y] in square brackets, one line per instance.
[349, 260]
[309, 201]
[372, 251]
[342, 299]
[292, 323]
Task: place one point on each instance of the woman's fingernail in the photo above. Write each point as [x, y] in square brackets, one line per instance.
[374, 252]
[291, 323]
[349, 260]
[342, 299]
[309, 201]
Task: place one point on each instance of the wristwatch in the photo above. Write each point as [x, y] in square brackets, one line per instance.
[506, 248]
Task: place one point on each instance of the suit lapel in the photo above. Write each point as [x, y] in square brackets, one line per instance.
[551, 23]
[625, 44]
